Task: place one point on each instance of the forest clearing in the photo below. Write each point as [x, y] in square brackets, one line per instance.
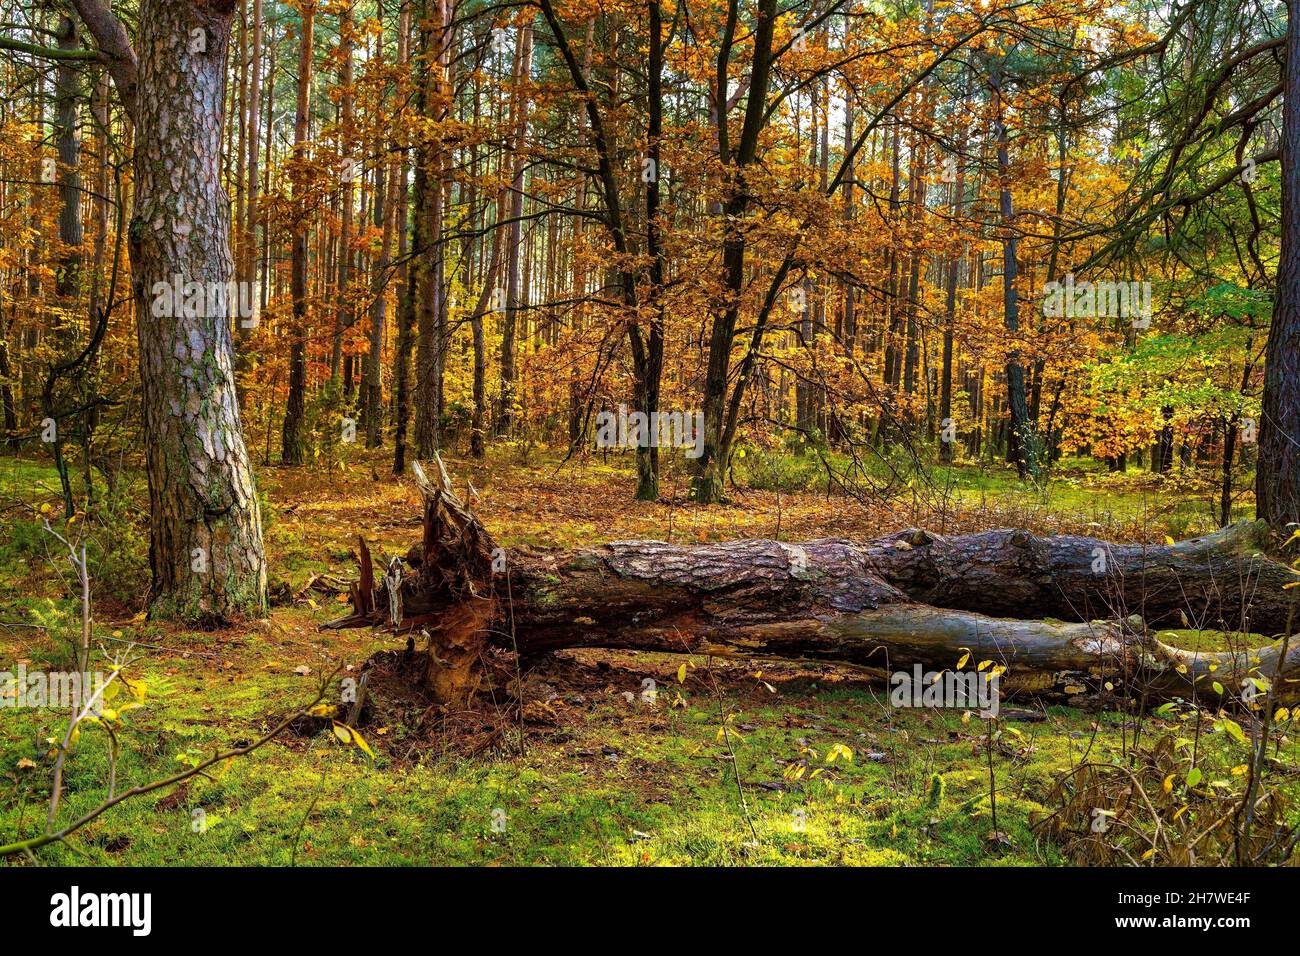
[591, 433]
[598, 780]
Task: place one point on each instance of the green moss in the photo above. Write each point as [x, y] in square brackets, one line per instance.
[1210, 640]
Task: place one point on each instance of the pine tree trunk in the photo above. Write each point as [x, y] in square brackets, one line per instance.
[428, 242]
[1022, 443]
[405, 327]
[247, 269]
[67, 98]
[648, 354]
[293, 451]
[519, 117]
[1277, 475]
[205, 534]
[343, 313]
[372, 391]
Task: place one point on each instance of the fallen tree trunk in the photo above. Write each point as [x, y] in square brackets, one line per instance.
[903, 600]
[1222, 581]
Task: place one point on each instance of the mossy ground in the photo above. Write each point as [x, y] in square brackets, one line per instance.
[600, 779]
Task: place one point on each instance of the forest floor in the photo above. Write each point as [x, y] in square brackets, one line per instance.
[595, 774]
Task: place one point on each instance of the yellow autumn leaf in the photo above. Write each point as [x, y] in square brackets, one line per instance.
[350, 735]
[361, 742]
[838, 750]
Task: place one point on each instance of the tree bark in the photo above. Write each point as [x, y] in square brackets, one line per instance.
[8, 407]
[67, 96]
[373, 373]
[344, 316]
[292, 450]
[1023, 435]
[205, 534]
[431, 340]
[948, 425]
[707, 482]
[1277, 475]
[247, 268]
[505, 416]
[405, 324]
[648, 351]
